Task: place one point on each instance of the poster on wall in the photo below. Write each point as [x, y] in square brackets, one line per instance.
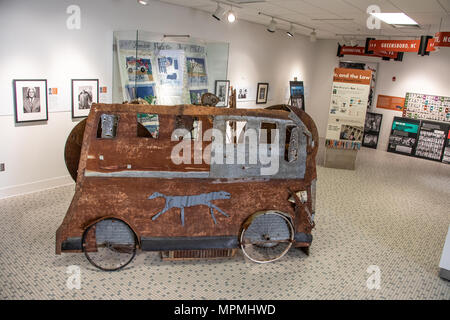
[196, 69]
[297, 94]
[432, 139]
[372, 66]
[446, 155]
[403, 136]
[372, 129]
[390, 102]
[347, 114]
[427, 107]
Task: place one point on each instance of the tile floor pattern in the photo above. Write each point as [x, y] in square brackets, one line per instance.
[392, 211]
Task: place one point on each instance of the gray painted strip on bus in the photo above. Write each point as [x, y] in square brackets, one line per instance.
[148, 174]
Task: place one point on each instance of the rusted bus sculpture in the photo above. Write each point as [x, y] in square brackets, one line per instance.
[131, 194]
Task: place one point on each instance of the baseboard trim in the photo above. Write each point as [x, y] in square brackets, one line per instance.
[36, 186]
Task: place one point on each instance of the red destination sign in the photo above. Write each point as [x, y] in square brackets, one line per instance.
[394, 45]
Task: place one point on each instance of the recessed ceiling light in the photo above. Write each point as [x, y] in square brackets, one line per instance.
[272, 26]
[143, 2]
[394, 18]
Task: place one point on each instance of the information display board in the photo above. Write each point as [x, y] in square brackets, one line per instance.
[372, 128]
[432, 139]
[390, 102]
[349, 97]
[403, 138]
[426, 107]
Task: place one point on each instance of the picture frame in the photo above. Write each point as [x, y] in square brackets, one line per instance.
[222, 88]
[85, 92]
[262, 92]
[372, 128]
[30, 100]
[297, 94]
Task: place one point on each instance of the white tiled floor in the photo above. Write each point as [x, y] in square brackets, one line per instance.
[392, 212]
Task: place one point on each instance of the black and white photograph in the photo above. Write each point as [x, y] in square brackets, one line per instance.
[221, 91]
[30, 100]
[373, 122]
[372, 127]
[242, 94]
[85, 92]
[262, 92]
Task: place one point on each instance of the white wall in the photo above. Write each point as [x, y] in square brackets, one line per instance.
[37, 45]
[427, 74]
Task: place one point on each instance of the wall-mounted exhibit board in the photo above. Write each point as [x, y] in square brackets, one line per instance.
[426, 107]
[423, 139]
[404, 133]
[297, 94]
[346, 117]
[432, 139]
[390, 102]
[372, 129]
[175, 70]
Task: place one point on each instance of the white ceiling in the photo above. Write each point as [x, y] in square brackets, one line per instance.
[429, 14]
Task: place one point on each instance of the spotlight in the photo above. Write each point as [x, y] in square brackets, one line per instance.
[290, 33]
[143, 2]
[272, 26]
[231, 16]
[219, 12]
[313, 36]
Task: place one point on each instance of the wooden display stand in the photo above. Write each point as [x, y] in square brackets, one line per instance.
[340, 158]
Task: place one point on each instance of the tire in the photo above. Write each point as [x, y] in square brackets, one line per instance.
[266, 236]
[109, 244]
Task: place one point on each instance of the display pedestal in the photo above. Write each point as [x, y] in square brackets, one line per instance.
[444, 264]
[340, 158]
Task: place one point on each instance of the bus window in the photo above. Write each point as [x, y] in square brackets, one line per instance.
[107, 126]
[148, 125]
[265, 132]
[235, 131]
[292, 143]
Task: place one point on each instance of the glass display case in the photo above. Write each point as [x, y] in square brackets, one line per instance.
[166, 69]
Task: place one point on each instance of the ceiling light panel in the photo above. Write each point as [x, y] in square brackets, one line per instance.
[394, 18]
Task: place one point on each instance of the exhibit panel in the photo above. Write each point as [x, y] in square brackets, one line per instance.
[345, 129]
[403, 138]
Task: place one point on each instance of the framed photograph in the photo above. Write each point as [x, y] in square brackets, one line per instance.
[221, 91]
[84, 93]
[262, 92]
[30, 100]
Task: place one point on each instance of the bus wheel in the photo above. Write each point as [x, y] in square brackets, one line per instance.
[266, 236]
[109, 244]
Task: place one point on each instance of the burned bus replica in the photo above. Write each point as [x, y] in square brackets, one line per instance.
[134, 192]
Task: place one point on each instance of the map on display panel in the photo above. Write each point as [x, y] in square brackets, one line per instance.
[426, 107]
